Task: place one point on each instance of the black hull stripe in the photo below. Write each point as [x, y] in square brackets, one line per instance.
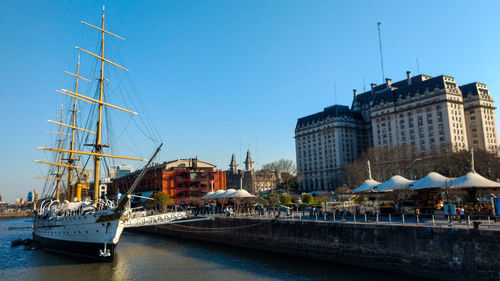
[74, 248]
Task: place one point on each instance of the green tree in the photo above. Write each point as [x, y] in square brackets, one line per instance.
[273, 198]
[307, 198]
[161, 199]
[320, 199]
[285, 199]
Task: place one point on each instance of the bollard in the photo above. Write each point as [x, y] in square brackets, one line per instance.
[316, 216]
[365, 218]
[489, 220]
[468, 221]
[403, 218]
[417, 219]
[433, 220]
[354, 217]
[390, 219]
[324, 216]
[377, 217]
[334, 219]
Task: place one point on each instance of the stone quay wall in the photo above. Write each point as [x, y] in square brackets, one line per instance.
[430, 252]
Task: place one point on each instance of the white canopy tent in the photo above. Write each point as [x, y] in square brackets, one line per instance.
[240, 193]
[473, 179]
[225, 194]
[432, 180]
[368, 185]
[394, 183]
[208, 195]
[213, 195]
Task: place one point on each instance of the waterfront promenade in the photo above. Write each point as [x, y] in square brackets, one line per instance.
[412, 220]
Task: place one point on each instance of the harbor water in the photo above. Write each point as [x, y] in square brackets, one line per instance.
[146, 257]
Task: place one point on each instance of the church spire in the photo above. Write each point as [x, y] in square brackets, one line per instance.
[249, 162]
[233, 166]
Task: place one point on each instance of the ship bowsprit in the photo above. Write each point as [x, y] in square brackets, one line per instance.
[154, 219]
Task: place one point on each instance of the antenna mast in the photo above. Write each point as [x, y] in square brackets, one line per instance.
[335, 91]
[381, 56]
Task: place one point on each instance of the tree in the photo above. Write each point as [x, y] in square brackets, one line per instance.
[281, 166]
[285, 199]
[321, 200]
[273, 198]
[288, 182]
[307, 198]
[161, 199]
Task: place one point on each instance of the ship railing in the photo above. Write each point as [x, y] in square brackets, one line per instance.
[155, 219]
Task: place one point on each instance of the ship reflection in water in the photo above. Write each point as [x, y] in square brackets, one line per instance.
[146, 257]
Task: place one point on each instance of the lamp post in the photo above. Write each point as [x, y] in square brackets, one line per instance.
[413, 168]
[448, 206]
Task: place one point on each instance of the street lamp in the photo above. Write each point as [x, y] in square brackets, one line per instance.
[414, 172]
[448, 205]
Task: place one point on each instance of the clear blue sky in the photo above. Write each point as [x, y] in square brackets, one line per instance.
[221, 77]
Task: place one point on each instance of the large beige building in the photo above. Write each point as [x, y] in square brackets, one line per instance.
[422, 111]
[324, 142]
[480, 117]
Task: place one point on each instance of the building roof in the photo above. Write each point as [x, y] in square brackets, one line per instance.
[472, 88]
[334, 111]
[187, 163]
[363, 98]
[403, 90]
[382, 92]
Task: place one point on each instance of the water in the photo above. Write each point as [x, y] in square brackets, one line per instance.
[150, 257]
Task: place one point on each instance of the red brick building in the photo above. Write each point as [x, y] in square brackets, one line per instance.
[181, 179]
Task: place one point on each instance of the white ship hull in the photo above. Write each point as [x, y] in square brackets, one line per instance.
[79, 235]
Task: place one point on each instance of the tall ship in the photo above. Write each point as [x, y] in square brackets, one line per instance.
[75, 217]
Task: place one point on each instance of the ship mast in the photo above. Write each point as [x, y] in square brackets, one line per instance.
[71, 160]
[97, 153]
[97, 146]
[59, 158]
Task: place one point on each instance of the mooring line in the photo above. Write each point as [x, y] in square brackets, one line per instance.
[196, 228]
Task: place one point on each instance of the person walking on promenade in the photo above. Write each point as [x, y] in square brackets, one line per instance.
[462, 214]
